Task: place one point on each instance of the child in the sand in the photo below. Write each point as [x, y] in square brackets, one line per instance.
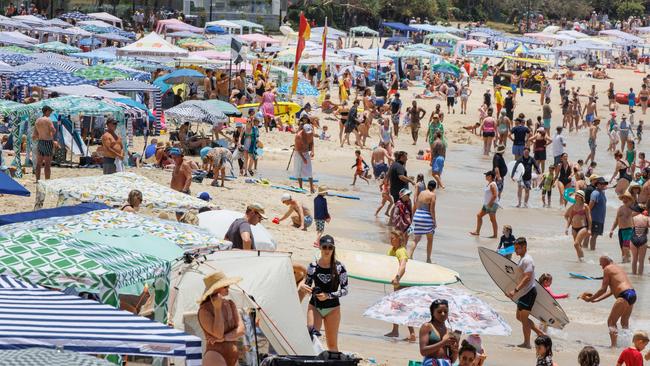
[384, 187]
[632, 356]
[324, 136]
[361, 168]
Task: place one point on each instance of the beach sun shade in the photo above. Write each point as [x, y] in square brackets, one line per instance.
[152, 45]
[304, 88]
[363, 30]
[195, 111]
[181, 76]
[46, 77]
[10, 186]
[63, 211]
[446, 68]
[114, 189]
[467, 313]
[266, 277]
[72, 105]
[258, 38]
[58, 47]
[76, 15]
[15, 49]
[217, 223]
[14, 59]
[401, 27]
[101, 72]
[33, 316]
[50, 357]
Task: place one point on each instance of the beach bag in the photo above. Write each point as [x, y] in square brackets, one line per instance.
[401, 219]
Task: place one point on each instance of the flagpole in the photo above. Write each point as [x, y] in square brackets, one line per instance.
[229, 76]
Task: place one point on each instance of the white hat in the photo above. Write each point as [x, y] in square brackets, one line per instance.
[308, 128]
[285, 197]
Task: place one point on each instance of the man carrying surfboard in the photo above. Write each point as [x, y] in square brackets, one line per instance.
[615, 282]
[525, 292]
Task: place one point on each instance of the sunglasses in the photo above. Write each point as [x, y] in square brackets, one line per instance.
[440, 302]
[327, 247]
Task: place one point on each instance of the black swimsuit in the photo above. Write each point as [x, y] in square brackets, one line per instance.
[622, 173]
[564, 175]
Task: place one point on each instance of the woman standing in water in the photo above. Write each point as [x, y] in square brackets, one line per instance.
[622, 171]
[639, 242]
[578, 218]
[327, 281]
[437, 343]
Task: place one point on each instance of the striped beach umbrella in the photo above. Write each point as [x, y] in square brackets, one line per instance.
[101, 72]
[57, 47]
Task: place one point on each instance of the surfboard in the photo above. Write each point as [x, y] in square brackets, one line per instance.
[568, 195]
[287, 110]
[381, 268]
[505, 274]
[506, 251]
[290, 189]
[304, 179]
[341, 195]
[583, 277]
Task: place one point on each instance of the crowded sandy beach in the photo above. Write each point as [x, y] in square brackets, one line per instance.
[413, 194]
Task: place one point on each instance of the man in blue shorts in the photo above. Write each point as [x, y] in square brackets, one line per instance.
[520, 136]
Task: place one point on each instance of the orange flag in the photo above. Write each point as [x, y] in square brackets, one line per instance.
[304, 33]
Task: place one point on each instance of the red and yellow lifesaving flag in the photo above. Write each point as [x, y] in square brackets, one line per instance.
[304, 33]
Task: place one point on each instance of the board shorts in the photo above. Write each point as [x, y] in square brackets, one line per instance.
[489, 134]
[395, 118]
[628, 295]
[589, 117]
[526, 184]
[108, 165]
[597, 228]
[514, 88]
[592, 145]
[45, 147]
[527, 301]
[438, 164]
[490, 210]
[320, 225]
[625, 237]
[547, 123]
[302, 169]
[518, 150]
[557, 159]
[379, 102]
[451, 101]
[379, 169]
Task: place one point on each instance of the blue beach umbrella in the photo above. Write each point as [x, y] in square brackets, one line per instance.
[304, 88]
[14, 59]
[46, 77]
[181, 76]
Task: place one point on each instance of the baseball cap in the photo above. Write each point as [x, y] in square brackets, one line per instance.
[205, 196]
[257, 208]
[601, 180]
[174, 151]
[326, 240]
[285, 197]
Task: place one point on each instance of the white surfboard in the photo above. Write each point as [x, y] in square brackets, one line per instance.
[520, 170]
[382, 268]
[506, 274]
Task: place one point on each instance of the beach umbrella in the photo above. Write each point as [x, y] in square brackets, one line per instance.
[50, 357]
[45, 77]
[14, 59]
[186, 34]
[183, 76]
[15, 49]
[485, 52]
[57, 47]
[467, 313]
[446, 68]
[89, 42]
[76, 15]
[195, 110]
[304, 88]
[101, 72]
[10, 186]
[225, 107]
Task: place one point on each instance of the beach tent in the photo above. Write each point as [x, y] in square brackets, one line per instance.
[63, 211]
[7, 23]
[18, 35]
[152, 45]
[465, 46]
[573, 33]
[173, 25]
[132, 88]
[114, 189]
[10, 186]
[227, 25]
[58, 23]
[429, 28]
[400, 27]
[266, 277]
[81, 325]
[94, 23]
[76, 15]
[108, 18]
[105, 54]
[8, 40]
[620, 34]
[87, 217]
[83, 91]
[217, 223]
[485, 52]
[363, 30]
[30, 20]
[250, 25]
[50, 357]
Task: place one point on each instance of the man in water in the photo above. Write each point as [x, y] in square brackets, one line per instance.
[625, 222]
[43, 135]
[590, 112]
[615, 282]
[525, 182]
[525, 291]
[598, 209]
[182, 174]
[559, 144]
[379, 156]
[644, 196]
[304, 149]
[593, 132]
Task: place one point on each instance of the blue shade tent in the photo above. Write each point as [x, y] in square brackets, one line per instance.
[14, 59]
[51, 212]
[215, 29]
[485, 52]
[46, 77]
[89, 42]
[33, 316]
[10, 186]
[182, 76]
[105, 53]
[304, 88]
[76, 15]
[401, 27]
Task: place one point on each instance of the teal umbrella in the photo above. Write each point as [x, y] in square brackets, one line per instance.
[227, 108]
[446, 68]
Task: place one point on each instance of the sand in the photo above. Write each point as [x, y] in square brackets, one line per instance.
[354, 227]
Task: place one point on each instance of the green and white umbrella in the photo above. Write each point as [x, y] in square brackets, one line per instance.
[101, 72]
[8, 106]
[57, 47]
[15, 49]
[411, 53]
[73, 105]
[49, 357]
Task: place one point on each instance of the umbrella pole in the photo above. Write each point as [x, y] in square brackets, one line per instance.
[290, 157]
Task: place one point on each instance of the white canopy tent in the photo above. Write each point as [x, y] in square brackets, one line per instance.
[266, 277]
[230, 27]
[108, 18]
[152, 45]
[250, 25]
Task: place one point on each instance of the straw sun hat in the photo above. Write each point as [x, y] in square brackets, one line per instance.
[216, 281]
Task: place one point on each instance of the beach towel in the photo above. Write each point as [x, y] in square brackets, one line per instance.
[423, 222]
[302, 169]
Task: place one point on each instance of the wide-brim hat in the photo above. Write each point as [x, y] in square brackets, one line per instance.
[323, 190]
[500, 149]
[216, 281]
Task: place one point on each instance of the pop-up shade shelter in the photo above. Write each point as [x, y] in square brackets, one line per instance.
[33, 316]
[38, 215]
[194, 111]
[58, 261]
[104, 53]
[14, 59]
[360, 30]
[152, 45]
[20, 36]
[58, 47]
[113, 190]
[400, 27]
[247, 24]
[622, 35]
[442, 37]
[465, 46]
[167, 25]
[133, 89]
[485, 52]
[429, 28]
[83, 91]
[97, 216]
[58, 23]
[45, 77]
[11, 41]
[23, 120]
[258, 38]
[108, 18]
[101, 72]
[227, 25]
[30, 20]
[7, 23]
[10, 186]
[185, 34]
[50, 357]
[76, 15]
[266, 277]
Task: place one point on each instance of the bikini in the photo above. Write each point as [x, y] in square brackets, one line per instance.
[429, 361]
[622, 173]
[582, 212]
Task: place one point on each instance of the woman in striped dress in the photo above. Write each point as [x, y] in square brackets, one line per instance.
[424, 219]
